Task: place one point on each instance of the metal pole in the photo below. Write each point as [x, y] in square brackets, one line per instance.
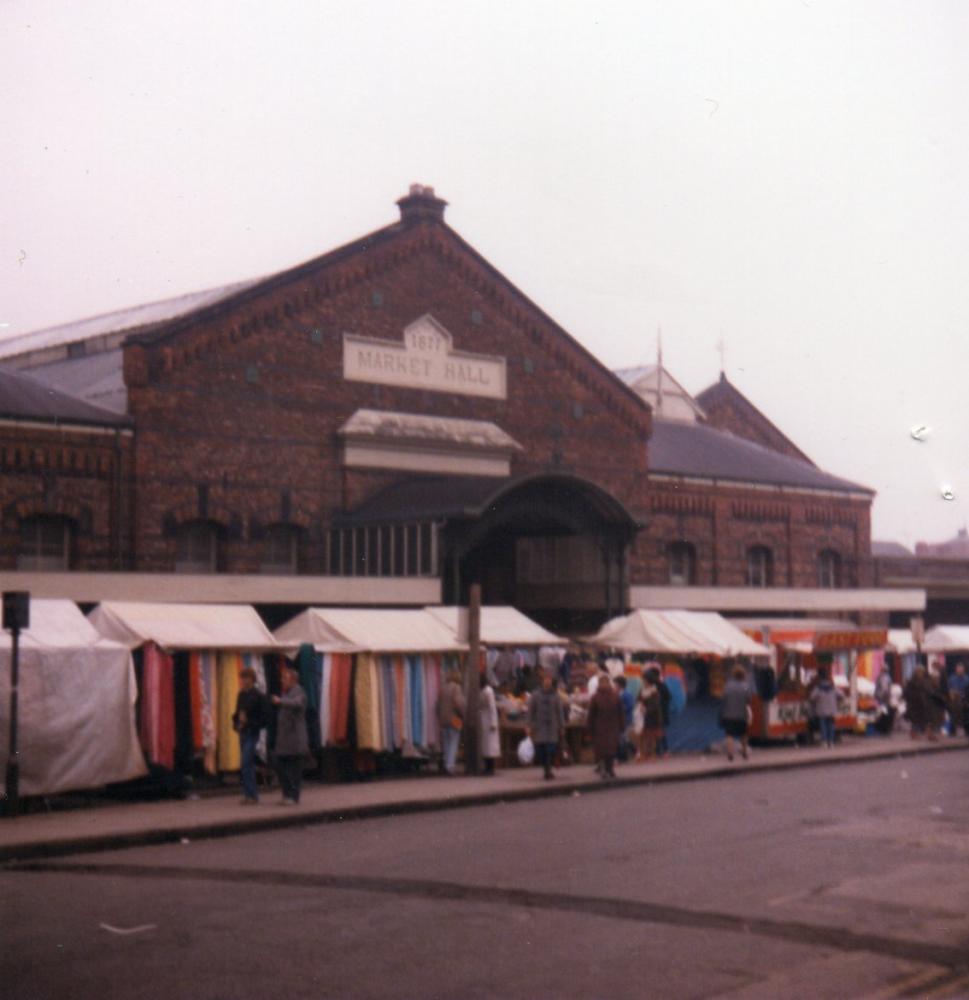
[472, 717]
[13, 761]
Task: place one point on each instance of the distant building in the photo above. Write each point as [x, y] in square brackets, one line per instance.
[387, 423]
[941, 569]
[954, 548]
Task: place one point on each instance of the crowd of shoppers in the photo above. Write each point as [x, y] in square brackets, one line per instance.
[589, 694]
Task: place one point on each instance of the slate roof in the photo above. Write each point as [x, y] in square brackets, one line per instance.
[890, 550]
[440, 498]
[96, 378]
[145, 316]
[22, 397]
[724, 392]
[704, 452]
[427, 498]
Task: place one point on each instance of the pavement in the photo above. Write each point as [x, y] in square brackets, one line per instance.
[54, 834]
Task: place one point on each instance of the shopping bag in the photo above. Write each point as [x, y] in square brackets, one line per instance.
[526, 751]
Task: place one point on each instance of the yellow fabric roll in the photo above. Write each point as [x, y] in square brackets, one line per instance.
[229, 756]
[367, 703]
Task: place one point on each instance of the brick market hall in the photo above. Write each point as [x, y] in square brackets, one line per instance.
[384, 425]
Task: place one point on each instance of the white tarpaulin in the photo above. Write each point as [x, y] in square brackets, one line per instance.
[372, 630]
[500, 626]
[947, 639]
[76, 695]
[677, 632]
[183, 626]
[901, 641]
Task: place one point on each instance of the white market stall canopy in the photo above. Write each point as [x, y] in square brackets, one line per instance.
[371, 630]
[901, 641]
[947, 639]
[76, 697]
[183, 626]
[501, 625]
[678, 632]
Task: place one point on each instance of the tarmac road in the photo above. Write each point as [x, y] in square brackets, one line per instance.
[841, 882]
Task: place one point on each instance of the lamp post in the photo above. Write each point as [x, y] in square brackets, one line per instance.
[16, 616]
[472, 718]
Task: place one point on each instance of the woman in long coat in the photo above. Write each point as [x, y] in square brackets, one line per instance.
[545, 723]
[488, 712]
[606, 724]
[917, 701]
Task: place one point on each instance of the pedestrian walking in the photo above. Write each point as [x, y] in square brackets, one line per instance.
[488, 714]
[917, 702]
[292, 743]
[450, 717]
[958, 690]
[733, 710]
[249, 719]
[606, 724]
[666, 712]
[824, 699]
[938, 700]
[626, 743]
[546, 723]
[651, 701]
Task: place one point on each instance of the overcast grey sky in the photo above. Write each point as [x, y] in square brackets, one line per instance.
[790, 175]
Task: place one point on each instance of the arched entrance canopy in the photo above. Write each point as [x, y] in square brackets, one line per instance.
[552, 544]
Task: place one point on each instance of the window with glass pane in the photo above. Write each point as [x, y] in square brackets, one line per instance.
[386, 550]
[346, 540]
[198, 548]
[413, 550]
[427, 531]
[281, 550]
[760, 569]
[45, 544]
[829, 569]
[400, 545]
[682, 558]
[373, 551]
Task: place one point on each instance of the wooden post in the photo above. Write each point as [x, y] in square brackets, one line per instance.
[472, 717]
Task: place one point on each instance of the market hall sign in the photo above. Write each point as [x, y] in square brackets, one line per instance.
[425, 360]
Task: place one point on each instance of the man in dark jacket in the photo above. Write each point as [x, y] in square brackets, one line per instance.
[248, 720]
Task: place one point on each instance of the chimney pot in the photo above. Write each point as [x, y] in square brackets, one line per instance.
[420, 204]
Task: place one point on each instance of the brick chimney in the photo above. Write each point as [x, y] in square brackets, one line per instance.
[420, 204]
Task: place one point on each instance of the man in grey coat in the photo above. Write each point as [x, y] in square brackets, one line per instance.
[292, 743]
[546, 723]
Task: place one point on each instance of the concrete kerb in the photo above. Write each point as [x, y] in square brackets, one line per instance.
[561, 787]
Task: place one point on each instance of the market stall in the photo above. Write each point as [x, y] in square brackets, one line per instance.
[855, 657]
[381, 672]
[694, 650]
[187, 660]
[947, 639]
[76, 696]
[903, 652]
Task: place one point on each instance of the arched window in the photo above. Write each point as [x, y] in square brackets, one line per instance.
[829, 568]
[280, 553]
[682, 557]
[199, 547]
[45, 543]
[760, 566]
